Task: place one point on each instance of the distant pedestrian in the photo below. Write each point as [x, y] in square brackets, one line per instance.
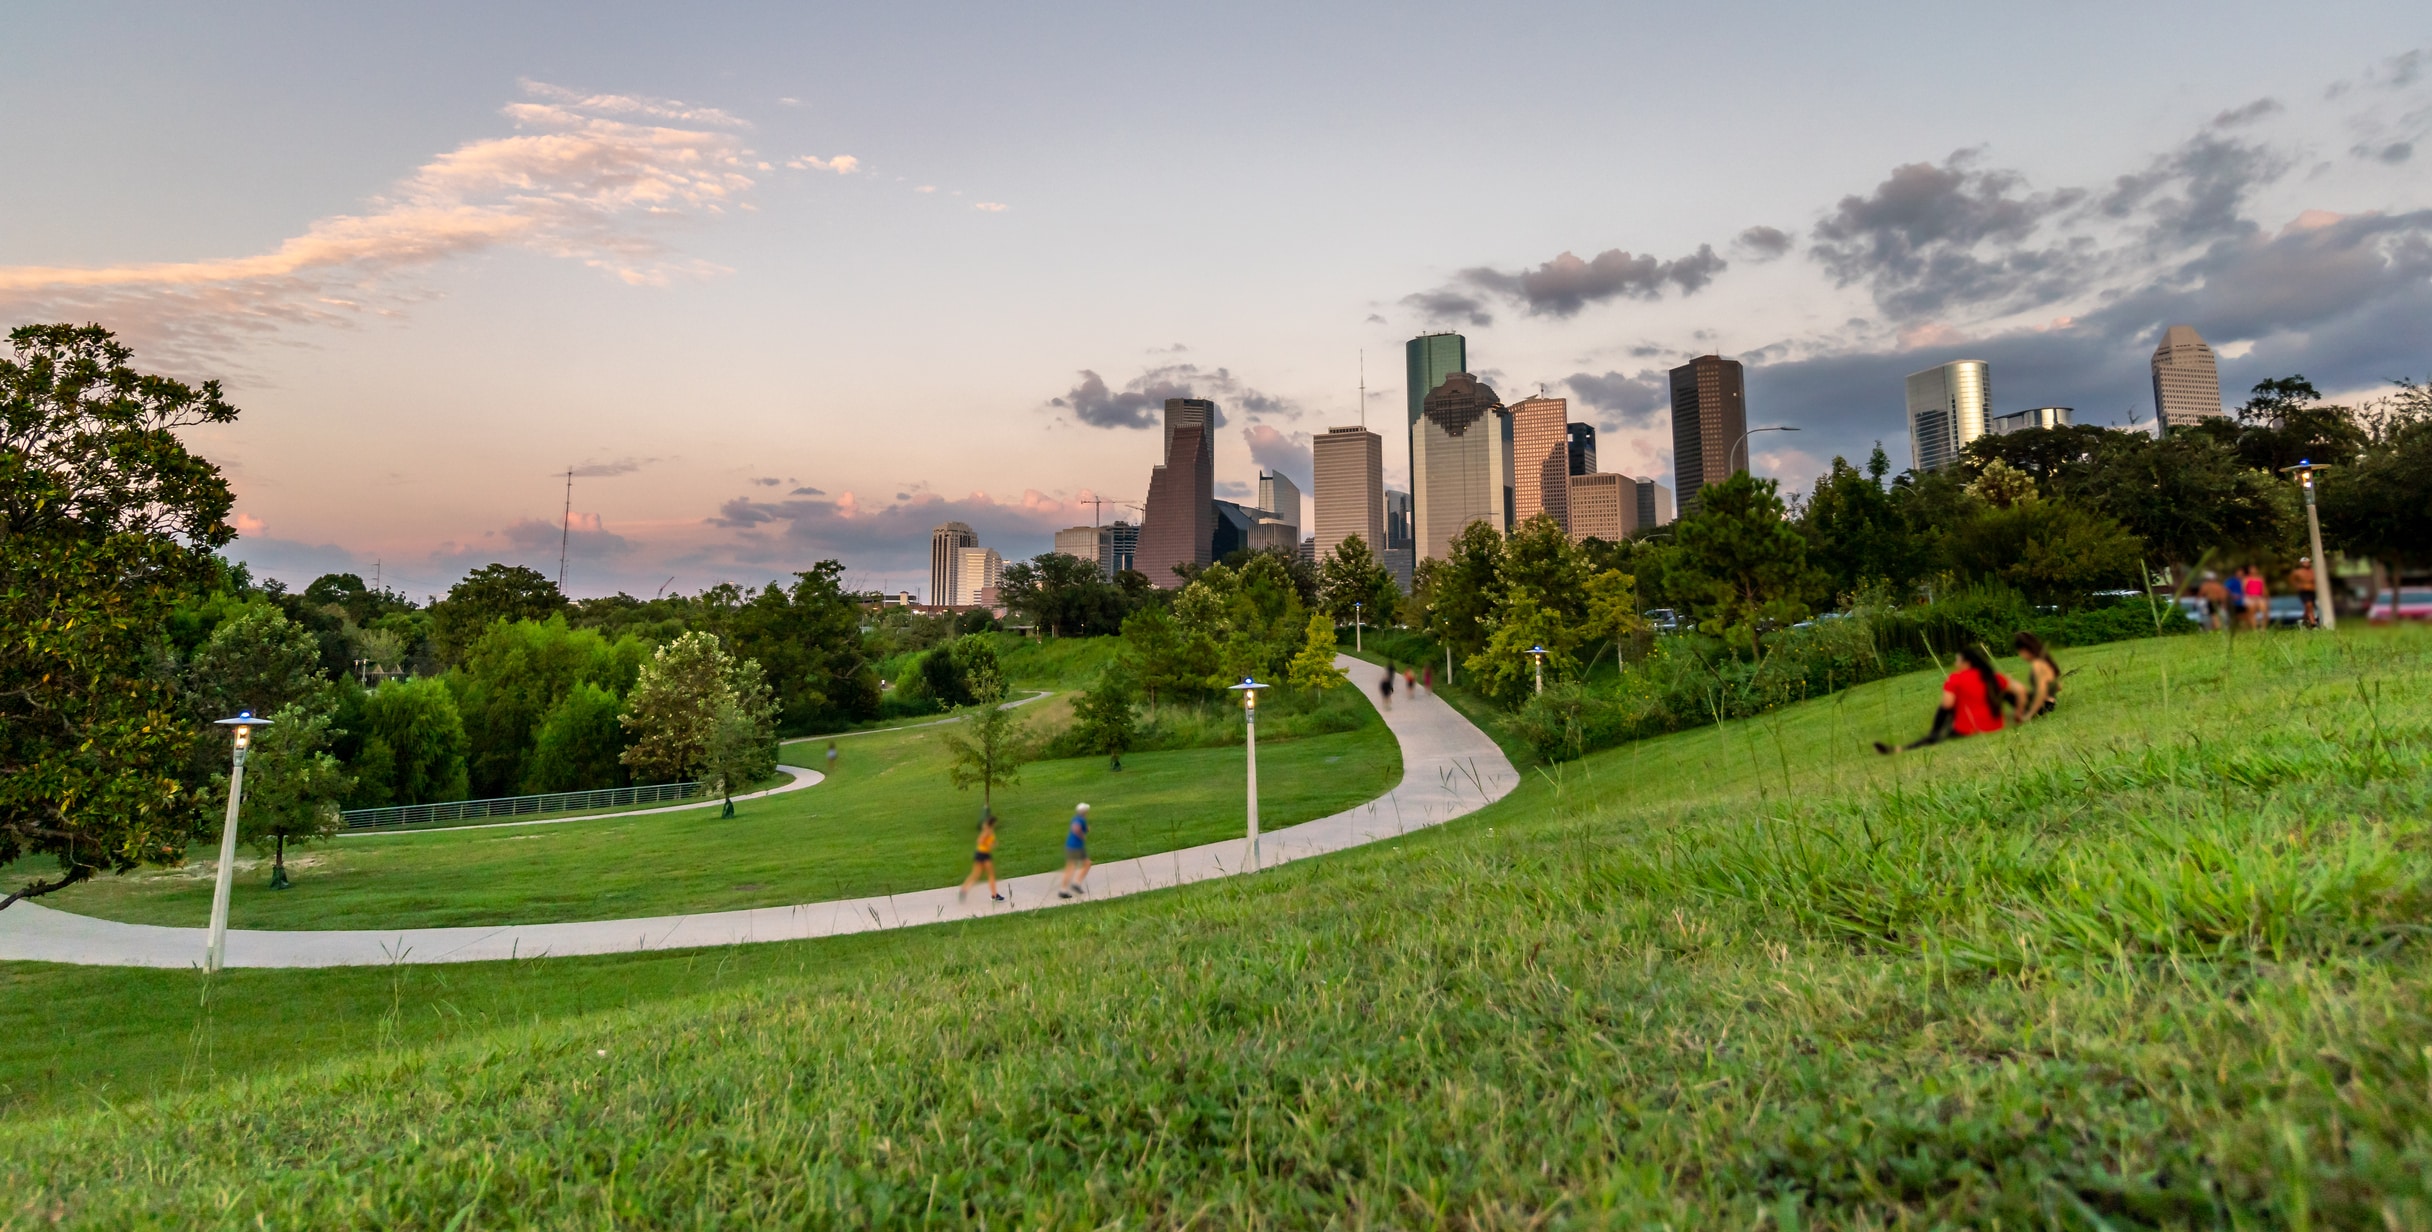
[1076, 853]
[2035, 696]
[831, 757]
[983, 857]
[1428, 678]
[2258, 596]
[1972, 700]
[2302, 580]
[1384, 687]
[2217, 602]
[1410, 682]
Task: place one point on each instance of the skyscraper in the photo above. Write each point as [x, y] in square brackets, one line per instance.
[1119, 549]
[1541, 460]
[1079, 541]
[944, 564]
[1654, 504]
[2186, 379]
[1603, 506]
[1180, 527]
[1350, 496]
[1427, 360]
[1947, 408]
[1709, 419]
[2029, 420]
[977, 572]
[1461, 459]
[1398, 532]
[1583, 449]
[1280, 498]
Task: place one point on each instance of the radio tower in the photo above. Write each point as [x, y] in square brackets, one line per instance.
[565, 523]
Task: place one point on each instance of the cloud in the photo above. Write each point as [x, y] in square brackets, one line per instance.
[1286, 453]
[1930, 235]
[842, 164]
[1446, 306]
[991, 207]
[586, 537]
[2248, 114]
[768, 481]
[806, 492]
[1141, 401]
[603, 470]
[1566, 284]
[1762, 243]
[888, 537]
[1629, 401]
[2393, 153]
[589, 178]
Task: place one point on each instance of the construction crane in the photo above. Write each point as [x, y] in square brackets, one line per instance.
[1100, 503]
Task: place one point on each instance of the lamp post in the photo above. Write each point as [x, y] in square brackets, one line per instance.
[1356, 612]
[1538, 653]
[244, 723]
[2313, 528]
[1248, 689]
[1741, 446]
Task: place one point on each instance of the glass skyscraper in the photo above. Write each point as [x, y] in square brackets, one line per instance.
[1428, 359]
[1947, 407]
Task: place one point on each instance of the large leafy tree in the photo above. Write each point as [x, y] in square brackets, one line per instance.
[684, 710]
[107, 521]
[808, 638]
[1743, 566]
[1065, 596]
[486, 596]
[1855, 534]
[1104, 719]
[409, 744]
[2380, 505]
[257, 661]
[292, 785]
[2185, 495]
[1460, 591]
[1350, 581]
[514, 675]
[2285, 422]
[1313, 668]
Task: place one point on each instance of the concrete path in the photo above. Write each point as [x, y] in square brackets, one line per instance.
[1449, 768]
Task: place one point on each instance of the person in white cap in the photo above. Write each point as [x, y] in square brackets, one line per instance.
[1076, 853]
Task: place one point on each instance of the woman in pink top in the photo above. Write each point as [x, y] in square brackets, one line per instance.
[2258, 597]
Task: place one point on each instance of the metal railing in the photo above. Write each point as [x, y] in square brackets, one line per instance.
[519, 806]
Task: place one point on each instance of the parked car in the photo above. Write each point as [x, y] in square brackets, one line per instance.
[1663, 620]
[2285, 611]
[2414, 603]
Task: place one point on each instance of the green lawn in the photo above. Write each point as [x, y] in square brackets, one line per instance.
[2159, 960]
[886, 821]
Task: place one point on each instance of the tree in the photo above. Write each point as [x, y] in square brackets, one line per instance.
[1170, 661]
[2003, 486]
[1855, 535]
[1542, 563]
[486, 596]
[2381, 504]
[410, 745]
[1612, 609]
[1462, 587]
[579, 745]
[743, 734]
[687, 696]
[1065, 596]
[986, 751]
[1745, 567]
[257, 661]
[1504, 669]
[2053, 552]
[1103, 718]
[1313, 668]
[808, 638]
[514, 674]
[292, 786]
[1350, 583]
[1248, 620]
[107, 521]
[2285, 422]
[2186, 494]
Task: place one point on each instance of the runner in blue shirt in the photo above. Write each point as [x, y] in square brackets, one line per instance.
[1076, 853]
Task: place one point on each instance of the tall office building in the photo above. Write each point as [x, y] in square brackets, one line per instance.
[977, 571]
[1654, 504]
[1709, 420]
[1461, 459]
[2186, 379]
[1079, 541]
[1280, 498]
[2029, 420]
[1398, 532]
[1180, 527]
[1603, 506]
[944, 564]
[1350, 480]
[1426, 361]
[1947, 408]
[1119, 549]
[1541, 460]
[1583, 449]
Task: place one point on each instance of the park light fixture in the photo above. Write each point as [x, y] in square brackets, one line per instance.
[2305, 469]
[1741, 448]
[1248, 688]
[1538, 653]
[242, 725]
[1356, 607]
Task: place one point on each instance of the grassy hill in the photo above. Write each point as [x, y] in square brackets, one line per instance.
[2157, 960]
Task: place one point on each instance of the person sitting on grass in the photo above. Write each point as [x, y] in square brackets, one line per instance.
[2035, 696]
[1972, 698]
[1076, 853]
[983, 859]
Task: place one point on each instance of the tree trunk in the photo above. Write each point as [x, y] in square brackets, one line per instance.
[278, 863]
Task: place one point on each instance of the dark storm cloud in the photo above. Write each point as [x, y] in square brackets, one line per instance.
[1566, 284]
[2195, 193]
[1141, 401]
[1932, 236]
[1627, 401]
[1762, 243]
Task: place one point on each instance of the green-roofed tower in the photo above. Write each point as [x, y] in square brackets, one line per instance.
[1430, 358]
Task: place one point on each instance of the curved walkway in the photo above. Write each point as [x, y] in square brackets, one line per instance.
[1449, 768]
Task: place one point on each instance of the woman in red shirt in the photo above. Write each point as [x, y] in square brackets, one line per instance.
[1972, 701]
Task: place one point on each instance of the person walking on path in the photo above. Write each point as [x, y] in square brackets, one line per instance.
[1428, 678]
[831, 759]
[983, 858]
[2258, 597]
[1972, 699]
[2035, 696]
[1076, 853]
[1384, 687]
[2301, 579]
[1410, 683]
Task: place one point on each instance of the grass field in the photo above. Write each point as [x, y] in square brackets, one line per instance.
[886, 821]
[2159, 960]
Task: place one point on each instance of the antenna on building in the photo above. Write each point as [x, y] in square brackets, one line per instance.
[1363, 388]
[565, 525]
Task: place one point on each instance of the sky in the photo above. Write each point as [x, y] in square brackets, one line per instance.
[785, 283]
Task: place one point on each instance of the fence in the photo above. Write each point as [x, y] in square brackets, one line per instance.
[517, 806]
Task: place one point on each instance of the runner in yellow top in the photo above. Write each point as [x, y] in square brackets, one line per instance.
[983, 857]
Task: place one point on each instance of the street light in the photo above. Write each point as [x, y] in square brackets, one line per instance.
[1248, 689]
[2313, 526]
[244, 723]
[1538, 653]
[1741, 447]
[1355, 626]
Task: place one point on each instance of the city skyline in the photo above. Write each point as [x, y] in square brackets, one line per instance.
[682, 260]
